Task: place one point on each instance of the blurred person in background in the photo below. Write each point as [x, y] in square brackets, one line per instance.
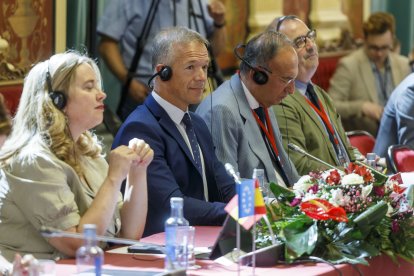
[363, 80]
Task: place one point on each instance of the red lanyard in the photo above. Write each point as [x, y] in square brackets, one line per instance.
[322, 114]
[267, 131]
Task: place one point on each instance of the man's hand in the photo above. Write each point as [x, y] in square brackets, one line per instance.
[217, 11]
[372, 110]
[138, 91]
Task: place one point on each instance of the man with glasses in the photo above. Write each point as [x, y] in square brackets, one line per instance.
[238, 113]
[308, 118]
[364, 80]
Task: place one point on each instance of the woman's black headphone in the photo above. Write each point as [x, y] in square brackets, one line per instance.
[58, 97]
[259, 76]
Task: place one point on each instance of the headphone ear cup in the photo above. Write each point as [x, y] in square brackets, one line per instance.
[260, 77]
[165, 73]
[58, 99]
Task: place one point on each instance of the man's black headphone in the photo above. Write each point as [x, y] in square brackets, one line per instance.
[165, 74]
[259, 76]
[58, 97]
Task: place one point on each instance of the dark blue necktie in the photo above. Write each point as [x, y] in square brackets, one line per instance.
[193, 141]
[311, 95]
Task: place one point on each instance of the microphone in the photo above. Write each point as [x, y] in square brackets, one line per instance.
[50, 232]
[301, 151]
[230, 171]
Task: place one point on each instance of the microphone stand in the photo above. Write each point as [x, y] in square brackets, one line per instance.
[301, 151]
[50, 232]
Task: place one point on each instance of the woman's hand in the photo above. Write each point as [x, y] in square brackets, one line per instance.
[144, 152]
[120, 161]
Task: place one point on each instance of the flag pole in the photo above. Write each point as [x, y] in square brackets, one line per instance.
[254, 247]
[238, 246]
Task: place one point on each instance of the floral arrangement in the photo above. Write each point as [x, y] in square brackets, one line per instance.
[342, 216]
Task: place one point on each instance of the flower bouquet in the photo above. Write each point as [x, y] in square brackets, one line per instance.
[342, 217]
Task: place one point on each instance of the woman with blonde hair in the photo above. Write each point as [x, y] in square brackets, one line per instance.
[52, 171]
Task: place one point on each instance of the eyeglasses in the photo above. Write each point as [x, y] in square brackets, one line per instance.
[376, 48]
[285, 80]
[300, 41]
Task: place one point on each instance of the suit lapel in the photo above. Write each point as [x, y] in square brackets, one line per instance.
[365, 71]
[251, 128]
[169, 126]
[318, 122]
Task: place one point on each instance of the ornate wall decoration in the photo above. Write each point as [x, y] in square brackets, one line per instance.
[26, 36]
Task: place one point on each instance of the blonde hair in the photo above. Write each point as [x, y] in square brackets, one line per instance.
[39, 125]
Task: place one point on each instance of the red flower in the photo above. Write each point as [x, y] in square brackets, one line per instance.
[323, 210]
[379, 190]
[360, 170]
[334, 178]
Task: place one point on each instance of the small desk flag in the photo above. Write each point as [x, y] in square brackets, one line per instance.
[250, 201]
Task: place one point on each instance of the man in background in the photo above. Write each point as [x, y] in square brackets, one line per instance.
[364, 80]
[397, 123]
[238, 113]
[184, 164]
[127, 30]
[308, 118]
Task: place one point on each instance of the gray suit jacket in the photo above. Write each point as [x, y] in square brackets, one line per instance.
[354, 83]
[236, 134]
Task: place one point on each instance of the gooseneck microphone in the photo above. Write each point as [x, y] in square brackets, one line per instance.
[302, 151]
[230, 171]
[50, 232]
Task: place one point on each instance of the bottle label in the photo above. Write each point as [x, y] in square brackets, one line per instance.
[98, 265]
[170, 247]
[176, 247]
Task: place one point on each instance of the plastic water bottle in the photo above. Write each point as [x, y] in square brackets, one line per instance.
[371, 160]
[89, 257]
[175, 236]
[259, 175]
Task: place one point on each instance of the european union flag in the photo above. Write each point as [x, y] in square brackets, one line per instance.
[245, 192]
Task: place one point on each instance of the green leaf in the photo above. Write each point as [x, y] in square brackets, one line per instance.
[301, 236]
[409, 194]
[371, 217]
[282, 194]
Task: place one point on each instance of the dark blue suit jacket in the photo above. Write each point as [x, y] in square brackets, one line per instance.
[173, 172]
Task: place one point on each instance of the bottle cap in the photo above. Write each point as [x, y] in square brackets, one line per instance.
[174, 201]
[371, 156]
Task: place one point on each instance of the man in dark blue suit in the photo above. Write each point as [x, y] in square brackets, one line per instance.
[184, 164]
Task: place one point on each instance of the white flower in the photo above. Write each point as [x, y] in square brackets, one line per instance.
[338, 198]
[309, 196]
[303, 185]
[365, 191]
[352, 179]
